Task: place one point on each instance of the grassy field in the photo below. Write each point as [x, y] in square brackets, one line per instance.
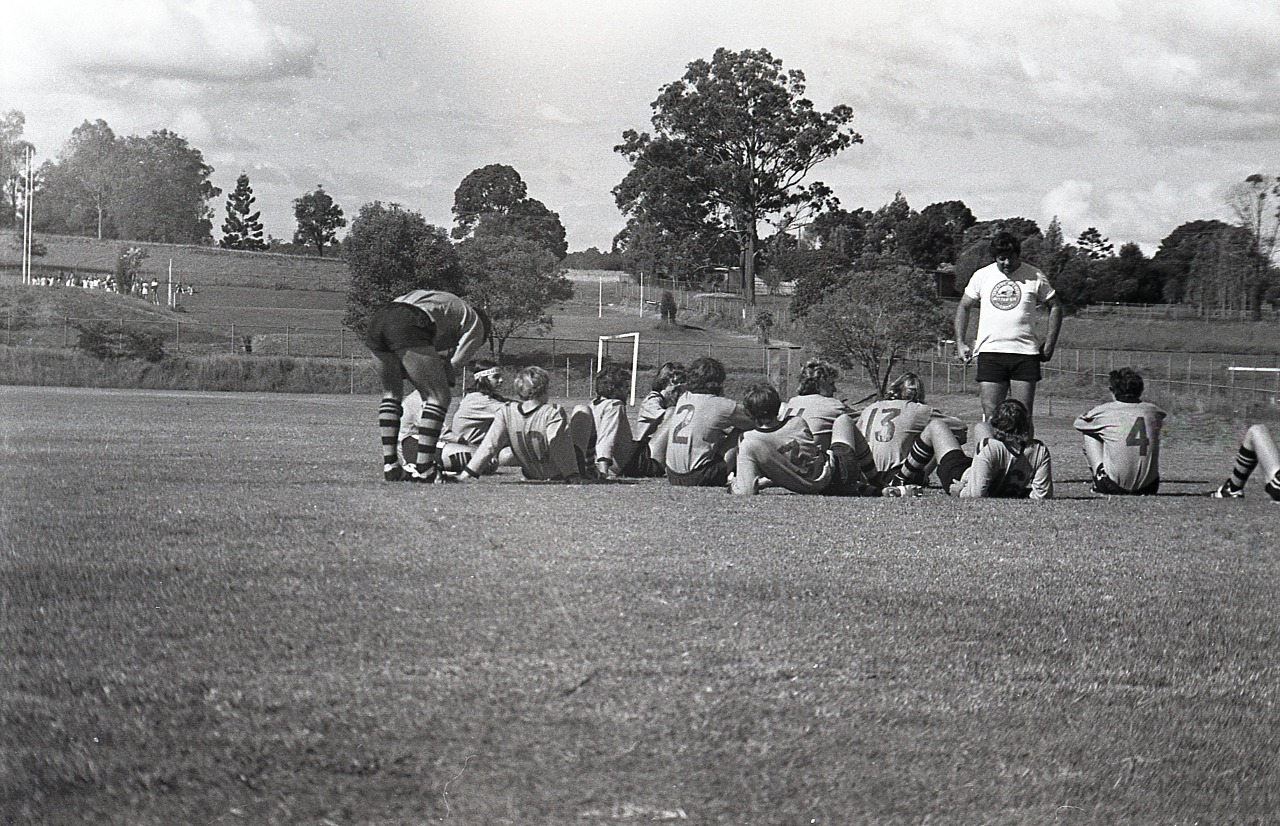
[212, 611]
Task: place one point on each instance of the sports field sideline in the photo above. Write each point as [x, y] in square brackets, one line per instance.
[213, 610]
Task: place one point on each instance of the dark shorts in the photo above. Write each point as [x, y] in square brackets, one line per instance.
[846, 478]
[1106, 485]
[712, 475]
[641, 465]
[397, 326]
[1003, 368]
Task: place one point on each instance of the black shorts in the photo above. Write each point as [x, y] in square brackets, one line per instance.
[1106, 485]
[846, 478]
[714, 474]
[641, 465]
[397, 326]
[1003, 368]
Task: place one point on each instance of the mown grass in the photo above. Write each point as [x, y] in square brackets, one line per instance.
[213, 611]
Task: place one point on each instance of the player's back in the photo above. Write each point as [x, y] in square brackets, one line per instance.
[539, 433]
[700, 426]
[1000, 472]
[891, 427]
[1130, 434]
[819, 412]
[473, 418]
[787, 453]
[613, 428]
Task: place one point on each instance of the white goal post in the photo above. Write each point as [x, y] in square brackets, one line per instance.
[602, 349]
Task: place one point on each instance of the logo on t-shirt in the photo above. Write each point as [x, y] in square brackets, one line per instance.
[1006, 295]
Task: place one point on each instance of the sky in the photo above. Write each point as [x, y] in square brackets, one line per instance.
[1131, 117]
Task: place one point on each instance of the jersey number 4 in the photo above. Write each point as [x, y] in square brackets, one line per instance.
[1138, 436]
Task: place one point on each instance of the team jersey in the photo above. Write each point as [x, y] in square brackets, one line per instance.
[998, 472]
[539, 437]
[699, 429]
[613, 430]
[1130, 436]
[787, 453]
[1006, 320]
[891, 427]
[819, 412]
[473, 418]
[653, 408]
[459, 330]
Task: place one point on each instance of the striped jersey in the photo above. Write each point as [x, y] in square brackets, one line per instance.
[999, 472]
[1130, 436]
[787, 453]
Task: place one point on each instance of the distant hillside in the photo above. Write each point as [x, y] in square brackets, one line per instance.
[192, 265]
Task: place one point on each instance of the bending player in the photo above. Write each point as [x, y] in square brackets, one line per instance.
[617, 453]
[424, 336]
[696, 441]
[785, 453]
[1122, 439]
[548, 442]
[1009, 462]
[815, 400]
[1257, 449]
[906, 436]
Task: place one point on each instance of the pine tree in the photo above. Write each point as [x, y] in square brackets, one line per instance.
[1094, 245]
[242, 230]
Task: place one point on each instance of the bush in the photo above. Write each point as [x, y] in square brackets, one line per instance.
[97, 341]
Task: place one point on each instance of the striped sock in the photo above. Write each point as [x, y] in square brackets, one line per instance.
[1273, 487]
[389, 413]
[430, 423]
[1246, 461]
[917, 460]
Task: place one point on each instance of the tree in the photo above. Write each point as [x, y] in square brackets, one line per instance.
[1255, 203]
[13, 164]
[514, 281]
[932, 238]
[738, 137]
[319, 219]
[391, 251]
[78, 190]
[840, 232]
[493, 200]
[242, 230]
[874, 317]
[1201, 263]
[161, 190]
[128, 266]
[884, 226]
[1092, 244]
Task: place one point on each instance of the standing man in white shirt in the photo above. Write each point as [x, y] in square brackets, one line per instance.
[1008, 293]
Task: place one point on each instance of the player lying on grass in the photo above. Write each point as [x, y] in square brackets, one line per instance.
[1122, 439]
[906, 435]
[815, 400]
[424, 336]
[617, 453]
[549, 443]
[696, 441]
[667, 386]
[785, 452]
[470, 423]
[1007, 464]
[1257, 449]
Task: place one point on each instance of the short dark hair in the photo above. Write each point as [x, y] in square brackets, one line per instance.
[1005, 243]
[762, 402]
[670, 373]
[706, 375]
[1011, 422]
[814, 375]
[613, 381]
[1126, 385]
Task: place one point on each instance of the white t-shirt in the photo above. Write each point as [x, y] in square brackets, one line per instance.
[1007, 308]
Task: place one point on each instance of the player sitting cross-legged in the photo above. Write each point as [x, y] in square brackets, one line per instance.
[617, 453]
[1257, 449]
[548, 442]
[785, 453]
[815, 400]
[1008, 463]
[906, 436]
[1122, 439]
[697, 438]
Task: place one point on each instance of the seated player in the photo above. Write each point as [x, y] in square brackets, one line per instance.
[906, 436]
[785, 453]
[667, 386]
[548, 442]
[815, 400]
[617, 454]
[1256, 449]
[1122, 439]
[696, 440]
[1008, 462]
[470, 421]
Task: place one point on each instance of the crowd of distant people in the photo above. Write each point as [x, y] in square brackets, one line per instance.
[153, 290]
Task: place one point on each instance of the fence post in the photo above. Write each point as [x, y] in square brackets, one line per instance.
[353, 374]
[342, 340]
[120, 336]
[64, 328]
[233, 339]
[288, 348]
[177, 337]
